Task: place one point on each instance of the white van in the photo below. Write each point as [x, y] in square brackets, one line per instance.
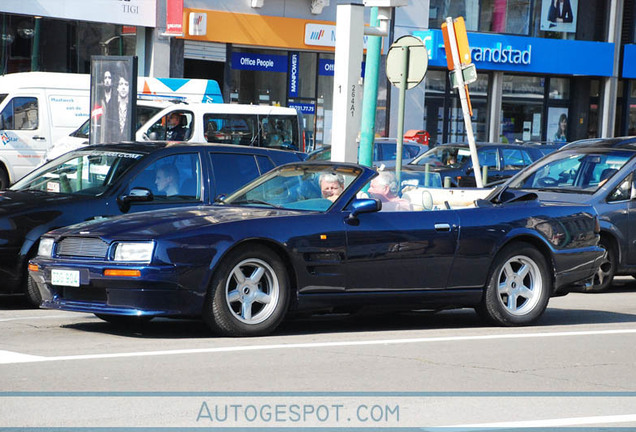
[39, 108]
[146, 109]
[261, 126]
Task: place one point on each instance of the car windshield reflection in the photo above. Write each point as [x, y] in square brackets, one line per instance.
[572, 171]
[81, 173]
[297, 187]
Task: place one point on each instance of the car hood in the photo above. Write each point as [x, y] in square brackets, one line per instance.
[171, 221]
[19, 202]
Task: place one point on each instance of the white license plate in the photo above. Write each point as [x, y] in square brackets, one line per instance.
[65, 277]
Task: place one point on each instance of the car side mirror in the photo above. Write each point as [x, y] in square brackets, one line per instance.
[364, 205]
[136, 194]
[220, 198]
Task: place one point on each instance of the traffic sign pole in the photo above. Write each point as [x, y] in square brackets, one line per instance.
[461, 89]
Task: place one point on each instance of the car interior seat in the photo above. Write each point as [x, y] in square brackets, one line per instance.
[189, 188]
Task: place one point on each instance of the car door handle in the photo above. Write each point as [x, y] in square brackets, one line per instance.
[39, 138]
[442, 227]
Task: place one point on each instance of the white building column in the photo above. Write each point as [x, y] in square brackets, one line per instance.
[607, 117]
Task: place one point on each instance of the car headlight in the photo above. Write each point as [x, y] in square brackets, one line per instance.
[46, 247]
[134, 251]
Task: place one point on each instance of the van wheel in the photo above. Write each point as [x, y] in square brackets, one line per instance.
[4, 178]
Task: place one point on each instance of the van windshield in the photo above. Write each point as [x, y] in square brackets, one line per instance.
[81, 172]
[143, 114]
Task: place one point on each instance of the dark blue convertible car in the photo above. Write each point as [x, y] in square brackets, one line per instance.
[284, 243]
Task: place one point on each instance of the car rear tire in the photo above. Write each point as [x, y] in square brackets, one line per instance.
[249, 293]
[518, 288]
[124, 320]
[606, 271]
[32, 292]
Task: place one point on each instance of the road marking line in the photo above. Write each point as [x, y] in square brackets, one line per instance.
[14, 357]
[574, 421]
[10, 359]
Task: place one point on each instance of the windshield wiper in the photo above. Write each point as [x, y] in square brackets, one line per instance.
[253, 201]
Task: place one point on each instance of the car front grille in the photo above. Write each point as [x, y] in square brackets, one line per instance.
[82, 247]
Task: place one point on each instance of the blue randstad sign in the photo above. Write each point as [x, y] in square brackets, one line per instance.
[526, 54]
[259, 62]
[629, 61]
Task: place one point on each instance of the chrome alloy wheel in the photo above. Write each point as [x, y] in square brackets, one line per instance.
[520, 285]
[252, 291]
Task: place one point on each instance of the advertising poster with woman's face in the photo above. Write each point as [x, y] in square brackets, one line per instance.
[559, 15]
[113, 87]
[557, 125]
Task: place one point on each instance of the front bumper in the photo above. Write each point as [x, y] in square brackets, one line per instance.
[156, 292]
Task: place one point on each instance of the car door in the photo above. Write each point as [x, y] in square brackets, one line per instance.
[24, 133]
[513, 161]
[232, 170]
[401, 250]
[175, 180]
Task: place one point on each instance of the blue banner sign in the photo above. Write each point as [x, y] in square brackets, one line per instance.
[526, 54]
[294, 66]
[326, 67]
[303, 108]
[629, 61]
[259, 62]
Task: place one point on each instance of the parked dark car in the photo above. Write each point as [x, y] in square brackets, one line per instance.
[599, 172]
[453, 160]
[108, 180]
[276, 245]
[384, 152]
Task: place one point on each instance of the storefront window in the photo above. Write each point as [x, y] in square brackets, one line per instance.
[64, 45]
[521, 108]
[505, 16]
[440, 9]
[559, 88]
[258, 77]
[435, 84]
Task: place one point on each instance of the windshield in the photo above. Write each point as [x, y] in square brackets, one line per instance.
[81, 172]
[143, 114]
[572, 171]
[297, 187]
[453, 156]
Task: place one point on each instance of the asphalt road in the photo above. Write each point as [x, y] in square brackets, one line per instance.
[575, 368]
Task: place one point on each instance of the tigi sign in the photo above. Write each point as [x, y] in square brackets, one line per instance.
[127, 12]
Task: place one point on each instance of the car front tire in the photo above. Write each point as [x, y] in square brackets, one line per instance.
[249, 293]
[32, 293]
[518, 287]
